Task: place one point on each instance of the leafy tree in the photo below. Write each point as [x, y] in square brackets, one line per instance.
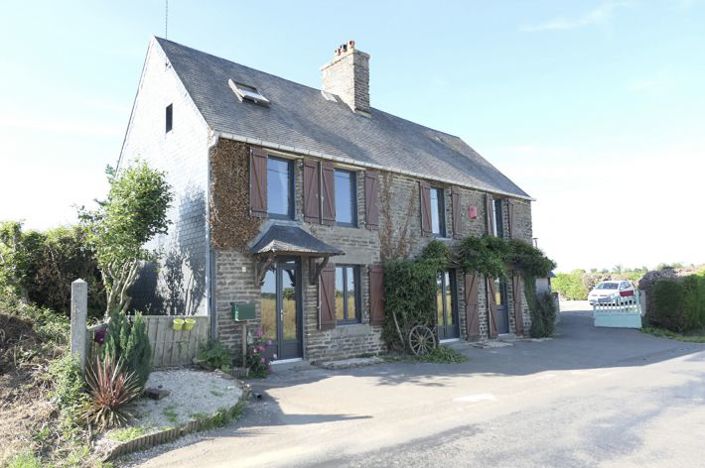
[14, 258]
[134, 212]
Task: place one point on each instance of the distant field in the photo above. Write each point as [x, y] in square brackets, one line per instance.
[269, 316]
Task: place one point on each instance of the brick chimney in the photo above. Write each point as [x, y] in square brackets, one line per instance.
[348, 76]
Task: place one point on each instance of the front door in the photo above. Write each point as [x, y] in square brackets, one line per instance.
[502, 308]
[446, 307]
[281, 310]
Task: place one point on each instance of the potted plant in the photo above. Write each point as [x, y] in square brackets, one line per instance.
[189, 323]
[178, 324]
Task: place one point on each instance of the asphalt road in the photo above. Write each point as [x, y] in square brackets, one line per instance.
[589, 397]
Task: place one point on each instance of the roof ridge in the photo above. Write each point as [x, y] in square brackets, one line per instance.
[161, 39]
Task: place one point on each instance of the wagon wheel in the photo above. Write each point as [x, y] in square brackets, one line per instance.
[421, 340]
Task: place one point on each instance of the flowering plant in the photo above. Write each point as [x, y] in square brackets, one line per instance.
[257, 361]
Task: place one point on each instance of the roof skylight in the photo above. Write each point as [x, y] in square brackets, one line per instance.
[247, 92]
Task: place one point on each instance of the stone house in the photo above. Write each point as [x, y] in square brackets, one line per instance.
[288, 198]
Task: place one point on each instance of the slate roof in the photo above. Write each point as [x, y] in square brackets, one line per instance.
[284, 239]
[300, 117]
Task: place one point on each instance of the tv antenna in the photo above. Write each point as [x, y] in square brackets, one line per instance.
[166, 19]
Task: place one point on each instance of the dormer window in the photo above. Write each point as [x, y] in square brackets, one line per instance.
[248, 93]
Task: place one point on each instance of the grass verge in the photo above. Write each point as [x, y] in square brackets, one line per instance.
[440, 355]
[663, 333]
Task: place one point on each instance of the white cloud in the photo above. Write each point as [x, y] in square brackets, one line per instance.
[598, 15]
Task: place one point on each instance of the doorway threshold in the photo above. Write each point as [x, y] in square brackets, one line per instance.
[286, 361]
[449, 340]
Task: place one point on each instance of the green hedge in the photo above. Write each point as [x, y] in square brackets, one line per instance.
[679, 304]
[570, 285]
[40, 266]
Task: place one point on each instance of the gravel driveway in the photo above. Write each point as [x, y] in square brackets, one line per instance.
[588, 397]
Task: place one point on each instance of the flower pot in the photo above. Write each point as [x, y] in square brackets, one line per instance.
[178, 324]
[189, 324]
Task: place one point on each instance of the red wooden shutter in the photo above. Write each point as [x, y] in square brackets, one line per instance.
[425, 191]
[371, 197]
[472, 310]
[327, 292]
[491, 307]
[518, 309]
[455, 207]
[489, 214]
[510, 216]
[376, 295]
[328, 193]
[312, 192]
[258, 182]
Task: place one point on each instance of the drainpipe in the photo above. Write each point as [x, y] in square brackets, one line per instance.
[210, 253]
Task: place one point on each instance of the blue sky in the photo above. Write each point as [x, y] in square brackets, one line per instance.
[596, 108]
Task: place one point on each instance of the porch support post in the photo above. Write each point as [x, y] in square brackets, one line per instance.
[314, 269]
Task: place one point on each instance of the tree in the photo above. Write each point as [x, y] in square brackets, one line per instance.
[134, 212]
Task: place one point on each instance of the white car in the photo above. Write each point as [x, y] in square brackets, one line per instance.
[611, 292]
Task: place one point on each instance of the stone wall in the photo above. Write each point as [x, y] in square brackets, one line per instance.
[399, 234]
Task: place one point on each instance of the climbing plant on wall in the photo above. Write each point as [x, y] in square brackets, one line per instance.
[410, 293]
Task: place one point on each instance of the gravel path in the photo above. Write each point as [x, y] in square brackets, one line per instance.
[193, 394]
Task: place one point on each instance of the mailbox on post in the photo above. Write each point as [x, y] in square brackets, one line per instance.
[243, 311]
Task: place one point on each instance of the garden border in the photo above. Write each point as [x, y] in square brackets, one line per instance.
[168, 435]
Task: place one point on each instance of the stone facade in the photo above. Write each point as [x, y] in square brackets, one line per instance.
[399, 234]
[210, 277]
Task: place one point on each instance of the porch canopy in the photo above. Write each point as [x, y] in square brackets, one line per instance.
[282, 240]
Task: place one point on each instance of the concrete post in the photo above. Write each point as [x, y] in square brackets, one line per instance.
[79, 311]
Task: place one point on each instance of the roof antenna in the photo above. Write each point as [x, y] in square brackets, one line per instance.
[166, 19]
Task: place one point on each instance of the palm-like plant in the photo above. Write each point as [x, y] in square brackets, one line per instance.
[111, 388]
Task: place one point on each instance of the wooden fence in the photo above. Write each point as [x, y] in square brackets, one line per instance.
[170, 348]
[174, 347]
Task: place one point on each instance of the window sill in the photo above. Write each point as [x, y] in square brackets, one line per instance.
[346, 225]
[280, 216]
[351, 329]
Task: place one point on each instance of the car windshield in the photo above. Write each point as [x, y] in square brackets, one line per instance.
[607, 286]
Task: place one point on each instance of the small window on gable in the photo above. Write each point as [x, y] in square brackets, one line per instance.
[248, 93]
[169, 117]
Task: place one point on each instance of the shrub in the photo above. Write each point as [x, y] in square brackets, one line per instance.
[668, 301]
[543, 316]
[570, 285]
[130, 343]
[678, 304]
[410, 295]
[443, 355]
[694, 302]
[111, 388]
[40, 266]
[257, 362]
[213, 355]
[68, 380]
